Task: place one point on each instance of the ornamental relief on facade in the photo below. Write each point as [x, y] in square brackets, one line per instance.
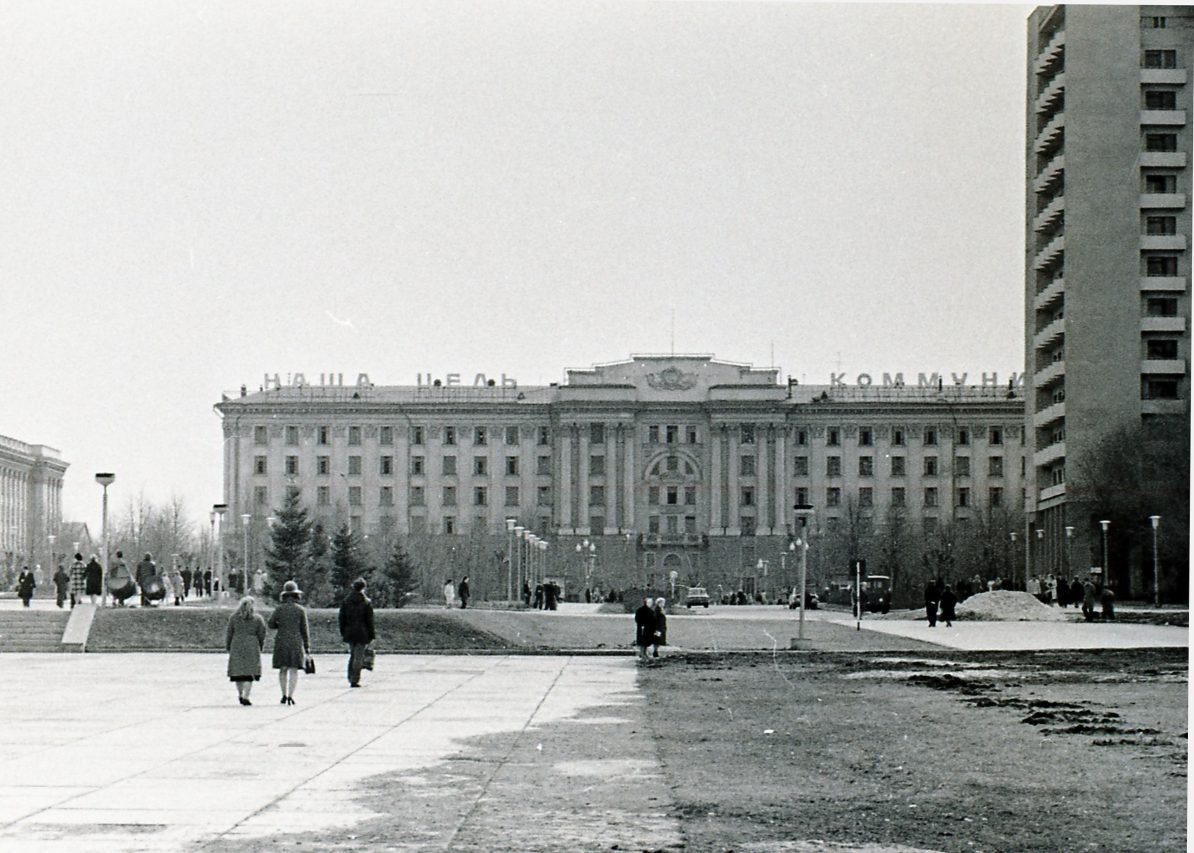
[671, 379]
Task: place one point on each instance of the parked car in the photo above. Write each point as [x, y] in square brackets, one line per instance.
[811, 600]
[697, 595]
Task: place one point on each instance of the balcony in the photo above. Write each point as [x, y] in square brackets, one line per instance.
[1046, 376]
[1051, 94]
[1049, 134]
[1163, 242]
[1051, 493]
[1049, 175]
[1162, 324]
[1047, 256]
[1163, 159]
[1172, 284]
[1047, 217]
[655, 540]
[1049, 295]
[1166, 118]
[1163, 366]
[1049, 455]
[1048, 415]
[1050, 56]
[1168, 201]
[1049, 335]
[1165, 76]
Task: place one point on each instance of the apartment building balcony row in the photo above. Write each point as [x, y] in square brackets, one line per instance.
[1048, 255]
[1049, 175]
[1050, 134]
[1049, 374]
[1163, 159]
[1164, 76]
[1162, 201]
[1165, 118]
[1163, 367]
[1162, 324]
[1051, 55]
[1052, 292]
[1049, 335]
[1049, 455]
[1049, 215]
[1048, 415]
[1051, 94]
[1167, 283]
[1163, 242]
[1050, 493]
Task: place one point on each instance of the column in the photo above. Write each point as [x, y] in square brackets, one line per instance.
[781, 480]
[582, 495]
[763, 437]
[611, 481]
[732, 490]
[564, 500]
[716, 524]
[629, 450]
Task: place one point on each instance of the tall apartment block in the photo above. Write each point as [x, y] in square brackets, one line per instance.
[1107, 254]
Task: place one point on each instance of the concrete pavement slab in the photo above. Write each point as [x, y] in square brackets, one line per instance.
[1035, 636]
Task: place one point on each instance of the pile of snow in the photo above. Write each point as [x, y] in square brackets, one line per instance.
[1004, 605]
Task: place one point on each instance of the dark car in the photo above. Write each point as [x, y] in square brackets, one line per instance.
[811, 600]
[697, 597]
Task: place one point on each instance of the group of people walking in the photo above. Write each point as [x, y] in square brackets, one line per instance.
[454, 593]
[650, 627]
[940, 603]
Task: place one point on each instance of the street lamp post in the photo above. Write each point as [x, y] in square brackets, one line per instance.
[1040, 547]
[1155, 520]
[510, 523]
[1013, 559]
[1105, 524]
[1069, 542]
[245, 520]
[51, 567]
[519, 534]
[802, 512]
[105, 479]
[219, 510]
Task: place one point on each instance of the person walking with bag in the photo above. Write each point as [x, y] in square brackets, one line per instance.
[356, 629]
[292, 644]
[245, 640]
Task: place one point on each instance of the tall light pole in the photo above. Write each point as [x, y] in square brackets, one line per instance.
[1155, 520]
[1039, 562]
[803, 512]
[105, 479]
[510, 523]
[1069, 541]
[1013, 559]
[245, 520]
[1105, 524]
[211, 553]
[219, 510]
[519, 532]
[51, 567]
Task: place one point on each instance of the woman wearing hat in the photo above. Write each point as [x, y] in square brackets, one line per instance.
[292, 644]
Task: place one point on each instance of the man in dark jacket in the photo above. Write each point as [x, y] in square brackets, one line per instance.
[462, 592]
[356, 629]
[146, 572]
[932, 596]
[644, 629]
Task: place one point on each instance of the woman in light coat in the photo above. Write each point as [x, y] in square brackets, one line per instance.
[244, 641]
[292, 645]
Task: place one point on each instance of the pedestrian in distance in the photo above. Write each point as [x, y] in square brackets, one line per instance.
[207, 583]
[146, 572]
[94, 582]
[463, 592]
[931, 599]
[948, 602]
[1107, 601]
[186, 581]
[245, 640]
[292, 643]
[1063, 593]
[61, 584]
[449, 593]
[356, 629]
[120, 580]
[1077, 592]
[526, 594]
[26, 583]
[179, 588]
[644, 629]
[78, 580]
[538, 596]
[1088, 601]
[659, 636]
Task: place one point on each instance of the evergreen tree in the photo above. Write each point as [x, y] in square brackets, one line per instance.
[398, 579]
[317, 583]
[347, 564]
[287, 557]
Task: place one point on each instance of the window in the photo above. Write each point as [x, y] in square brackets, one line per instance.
[449, 465]
[866, 466]
[385, 436]
[995, 496]
[897, 437]
[324, 435]
[597, 466]
[1160, 265]
[930, 466]
[449, 435]
[596, 495]
[995, 466]
[690, 524]
[416, 435]
[747, 497]
[931, 496]
[450, 524]
[1158, 22]
[354, 495]
[833, 496]
[1160, 59]
[417, 465]
[544, 436]
[543, 495]
[1161, 225]
[259, 465]
[480, 436]
[865, 437]
[511, 495]
[1160, 142]
[354, 436]
[292, 466]
[1158, 348]
[354, 465]
[543, 465]
[672, 433]
[800, 466]
[747, 525]
[323, 495]
[386, 466]
[833, 466]
[260, 435]
[690, 435]
[930, 436]
[962, 466]
[480, 466]
[866, 497]
[596, 433]
[260, 495]
[690, 495]
[480, 496]
[963, 497]
[653, 435]
[801, 496]
[448, 495]
[833, 437]
[996, 436]
[898, 496]
[747, 467]
[324, 465]
[1160, 183]
[1162, 306]
[673, 463]
[673, 495]
[512, 466]
[652, 524]
[386, 496]
[511, 435]
[748, 433]
[653, 495]
[1160, 99]
[1160, 389]
[801, 437]
[292, 436]
[963, 436]
[897, 466]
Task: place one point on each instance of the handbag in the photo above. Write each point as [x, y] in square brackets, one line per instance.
[370, 656]
[309, 665]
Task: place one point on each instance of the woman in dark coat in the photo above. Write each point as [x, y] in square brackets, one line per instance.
[644, 628]
[948, 602]
[244, 640]
[660, 638]
[292, 644]
[94, 579]
[26, 583]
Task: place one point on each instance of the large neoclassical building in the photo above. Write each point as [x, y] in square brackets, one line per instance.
[663, 463]
[30, 502]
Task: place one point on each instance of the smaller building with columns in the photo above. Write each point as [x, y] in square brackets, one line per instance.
[664, 463]
[30, 502]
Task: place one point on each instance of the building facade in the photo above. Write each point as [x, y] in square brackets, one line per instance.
[662, 464]
[30, 502]
[1107, 265]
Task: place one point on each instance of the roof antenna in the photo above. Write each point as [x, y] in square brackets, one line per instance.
[673, 331]
[772, 364]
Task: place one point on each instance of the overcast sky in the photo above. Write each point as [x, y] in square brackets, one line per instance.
[195, 194]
